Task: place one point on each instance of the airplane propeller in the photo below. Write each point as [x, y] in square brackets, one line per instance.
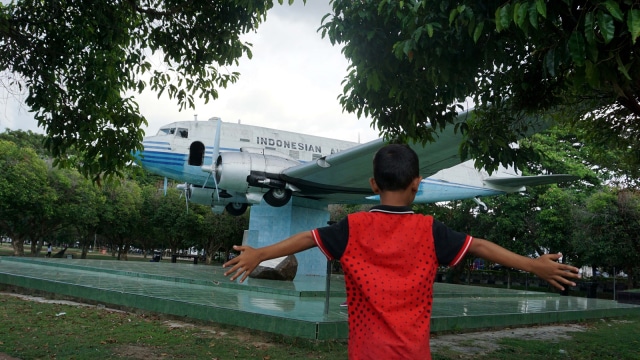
[184, 188]
[214, 160]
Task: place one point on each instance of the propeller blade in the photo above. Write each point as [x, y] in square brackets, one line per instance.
[184, 188]
[216, 145]
[214, 158]
[165, 186]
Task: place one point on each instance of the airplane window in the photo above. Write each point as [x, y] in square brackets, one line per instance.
[165, 131]
[184, 133]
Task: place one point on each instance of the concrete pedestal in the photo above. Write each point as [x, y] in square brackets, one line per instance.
[268, 225]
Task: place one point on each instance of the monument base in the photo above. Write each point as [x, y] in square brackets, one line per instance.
[269, 225]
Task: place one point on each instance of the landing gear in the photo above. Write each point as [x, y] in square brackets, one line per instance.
[236, 209]
[277, 197]
[483, 207]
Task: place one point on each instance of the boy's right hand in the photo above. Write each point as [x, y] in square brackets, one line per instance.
[242, 264]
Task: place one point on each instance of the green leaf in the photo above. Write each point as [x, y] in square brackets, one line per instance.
[606, 26]
[504, 17]
[452, 15]
[614, 9]
[621, 67]
[478, 31]
[516, 13]
[533, 15]
[577, 48]
[633, 23]
[589, 28]
[520, 15]
[541, 6]
[593, 74]
[498, 22]
[590, 36]
[430, 30]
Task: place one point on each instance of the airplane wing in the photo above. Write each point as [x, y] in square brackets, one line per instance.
[518, 182]
[344, 177]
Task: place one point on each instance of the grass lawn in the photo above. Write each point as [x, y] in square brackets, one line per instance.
[35, 330]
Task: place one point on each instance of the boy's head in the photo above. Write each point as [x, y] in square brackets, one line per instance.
[395, 166]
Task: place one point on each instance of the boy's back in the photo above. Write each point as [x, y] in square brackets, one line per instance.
[390, 260]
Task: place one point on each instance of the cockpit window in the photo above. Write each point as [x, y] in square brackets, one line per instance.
[183, 133]
[166, 131]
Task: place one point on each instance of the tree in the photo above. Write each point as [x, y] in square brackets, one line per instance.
[120, 215]
[80, 204]
[26, 139]
[555, 222]
[147, 238]
[80, 60]
[414, 64]
[221, 231]
[25, 197]
[171, 219]
[606, 231]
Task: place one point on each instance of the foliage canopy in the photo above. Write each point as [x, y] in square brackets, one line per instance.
[80, 61]
[415, 64]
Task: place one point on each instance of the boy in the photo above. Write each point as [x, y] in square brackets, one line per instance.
[390, 256]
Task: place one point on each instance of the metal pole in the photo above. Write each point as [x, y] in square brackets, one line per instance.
[327, 288]
[327, 283]
[614, 283]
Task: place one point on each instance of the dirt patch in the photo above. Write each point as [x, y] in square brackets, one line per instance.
[138, 352]
[57, 301]
[483, 342]
[7, 357]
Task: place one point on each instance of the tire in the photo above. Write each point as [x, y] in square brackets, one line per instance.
[277, 197]
[236, 209]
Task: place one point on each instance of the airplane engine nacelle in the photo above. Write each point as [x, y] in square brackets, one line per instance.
[198, 195]
[234, 170]
[211, 197]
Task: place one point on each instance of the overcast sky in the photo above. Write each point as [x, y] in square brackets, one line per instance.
[291, 83]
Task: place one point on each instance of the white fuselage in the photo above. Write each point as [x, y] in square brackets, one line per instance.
[173, 152]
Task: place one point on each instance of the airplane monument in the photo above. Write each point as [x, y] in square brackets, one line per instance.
[289, 179]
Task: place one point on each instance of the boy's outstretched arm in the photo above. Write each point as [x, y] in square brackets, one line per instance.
[250, 258]
[545, 266]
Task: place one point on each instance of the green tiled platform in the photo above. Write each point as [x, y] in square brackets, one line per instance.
[290, 308]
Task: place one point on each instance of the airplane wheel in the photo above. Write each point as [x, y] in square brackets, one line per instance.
[277, 197]
[236, 209]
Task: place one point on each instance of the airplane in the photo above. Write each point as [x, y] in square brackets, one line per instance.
[230, 166]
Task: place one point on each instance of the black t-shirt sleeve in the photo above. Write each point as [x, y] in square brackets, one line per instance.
[450, 245]
[334, 238]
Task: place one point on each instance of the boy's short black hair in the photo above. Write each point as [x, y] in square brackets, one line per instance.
[395, 166]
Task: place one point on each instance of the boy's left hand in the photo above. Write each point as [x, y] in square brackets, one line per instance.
[557, 274]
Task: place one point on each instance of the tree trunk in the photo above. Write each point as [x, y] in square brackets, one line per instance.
[18, 246]
[34, 248]
[125, 251]
[85, 249]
